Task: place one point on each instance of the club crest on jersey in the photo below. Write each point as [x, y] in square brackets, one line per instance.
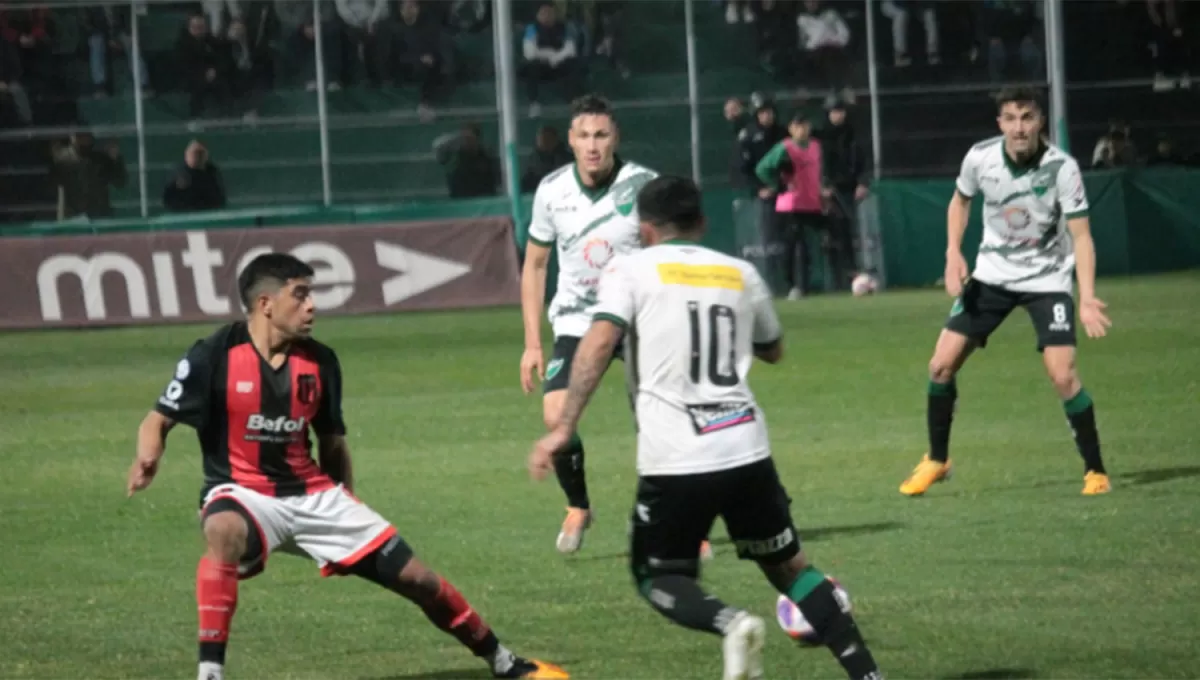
[553, 368]
[306, 388]
[709, 418]
[624, 198]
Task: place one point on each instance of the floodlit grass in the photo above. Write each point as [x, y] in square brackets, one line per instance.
[1004, 572]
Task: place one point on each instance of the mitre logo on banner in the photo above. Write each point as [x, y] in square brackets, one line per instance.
[138, 278]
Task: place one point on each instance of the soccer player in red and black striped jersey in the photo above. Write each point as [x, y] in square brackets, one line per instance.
[252, 390]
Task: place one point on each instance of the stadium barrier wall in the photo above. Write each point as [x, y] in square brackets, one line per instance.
[190, 274]
[1143, 221]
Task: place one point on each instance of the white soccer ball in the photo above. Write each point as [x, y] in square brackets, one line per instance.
[864, 284]
[792, 620]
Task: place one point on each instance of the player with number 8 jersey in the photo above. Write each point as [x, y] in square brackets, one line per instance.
[1029, 189]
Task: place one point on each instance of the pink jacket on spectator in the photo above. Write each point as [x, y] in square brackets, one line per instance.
[802, 192]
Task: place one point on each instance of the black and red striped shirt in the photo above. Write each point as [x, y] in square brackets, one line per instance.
[252, 419]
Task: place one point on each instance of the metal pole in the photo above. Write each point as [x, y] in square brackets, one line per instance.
[873, 86]
[689, 17]
[322, 113]
[504, 169]
[138, 112]
[1056, 73]
[508, 112]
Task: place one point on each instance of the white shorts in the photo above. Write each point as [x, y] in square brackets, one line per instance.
[332, 526]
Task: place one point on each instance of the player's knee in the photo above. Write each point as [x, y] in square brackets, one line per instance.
[784, 573]
[1065, 382]
[226, 534]
[941, 370]
[550, 415]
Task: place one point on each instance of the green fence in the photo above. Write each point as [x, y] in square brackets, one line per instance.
[1143, 221]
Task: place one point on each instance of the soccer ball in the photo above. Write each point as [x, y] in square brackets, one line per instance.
[792, 620]
[863, 284]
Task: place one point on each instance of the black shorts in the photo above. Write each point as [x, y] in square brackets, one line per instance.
[558, 371]
[674, 513]
[982, 307]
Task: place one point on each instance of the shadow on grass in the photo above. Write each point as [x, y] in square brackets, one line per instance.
[449, 674]
[1144, 477]
[806, 536]
[995, 674]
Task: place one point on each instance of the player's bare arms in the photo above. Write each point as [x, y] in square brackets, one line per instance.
[151, 444]
[1091, 308]
[533, 293]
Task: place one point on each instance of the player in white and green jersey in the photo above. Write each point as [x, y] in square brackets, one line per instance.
[587, 211]
[693, 320]
[1026, 259]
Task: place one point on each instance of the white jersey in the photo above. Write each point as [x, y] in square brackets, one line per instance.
[1025, 246]
[692, 317]
[589, 226]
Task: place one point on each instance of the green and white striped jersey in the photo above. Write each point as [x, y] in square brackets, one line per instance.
[589, 226]
[1026, 246]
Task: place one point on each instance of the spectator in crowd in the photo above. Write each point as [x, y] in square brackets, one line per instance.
[825, 37]
[1115, 149]
[792, 170]
[898, 12]
[471, 170]
[549, 154]
[203, 67]
[197, 183]
[1165, 154]
[469, 16]
[26, 33]
[551, 53]
[298, 30]
[757, 137]
[848, 177]
[14, 102]
[1008, 26]
[84, 174]
[249, 64]
[739, 9]
[1172, 52]
[108, 29]
[425, 53]
[369, 34]
[601, 22]
[221, 13]
[777, 39]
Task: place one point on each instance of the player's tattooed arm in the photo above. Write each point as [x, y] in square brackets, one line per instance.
[591, 361]
[334, 456]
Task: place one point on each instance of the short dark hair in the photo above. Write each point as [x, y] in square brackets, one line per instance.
[671, 202]
[1018, 95]
[593, 105]
[270, 269]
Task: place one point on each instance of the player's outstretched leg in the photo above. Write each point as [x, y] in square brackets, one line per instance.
[949, 355]
[1081, 414]
[679, 598]
[229, 541]
[394, 567]
[814, 594]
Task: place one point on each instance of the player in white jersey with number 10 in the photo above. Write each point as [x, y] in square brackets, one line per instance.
[587, 210]
[692, 320]
[1026, 259]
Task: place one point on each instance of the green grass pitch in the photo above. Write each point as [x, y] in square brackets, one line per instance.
[1004, 572]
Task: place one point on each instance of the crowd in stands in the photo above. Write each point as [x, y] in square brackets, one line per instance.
[229, 55]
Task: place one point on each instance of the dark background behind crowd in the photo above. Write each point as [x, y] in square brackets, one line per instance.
[228, 55]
